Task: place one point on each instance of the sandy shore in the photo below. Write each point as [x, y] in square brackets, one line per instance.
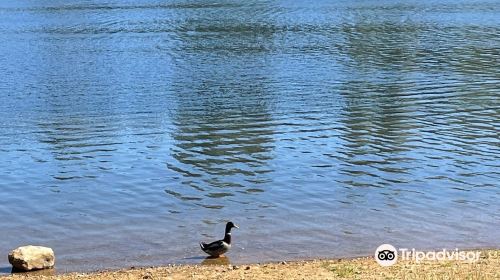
[488, 267]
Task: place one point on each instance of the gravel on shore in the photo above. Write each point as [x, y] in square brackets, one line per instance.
[487, 267]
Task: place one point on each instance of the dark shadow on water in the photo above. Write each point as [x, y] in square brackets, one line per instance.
[222, 260]
[5, 270]
[42, 272]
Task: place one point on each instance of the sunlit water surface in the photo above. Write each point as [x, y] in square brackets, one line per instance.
[131, 130]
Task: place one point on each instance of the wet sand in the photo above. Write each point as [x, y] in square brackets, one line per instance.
[488, 267]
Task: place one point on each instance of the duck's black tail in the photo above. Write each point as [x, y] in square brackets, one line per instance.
[202, 245]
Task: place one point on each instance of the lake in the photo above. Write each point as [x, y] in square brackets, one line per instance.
[132, 130]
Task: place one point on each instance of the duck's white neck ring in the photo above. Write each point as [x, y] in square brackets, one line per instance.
[227, 238]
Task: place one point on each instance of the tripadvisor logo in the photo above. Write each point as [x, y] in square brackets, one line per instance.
[387, 255]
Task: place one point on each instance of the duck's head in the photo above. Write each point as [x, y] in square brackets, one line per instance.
[230, 225]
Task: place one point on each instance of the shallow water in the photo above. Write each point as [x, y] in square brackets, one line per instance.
[131, 130]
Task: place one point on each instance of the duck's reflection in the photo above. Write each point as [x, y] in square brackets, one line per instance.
[221, 260]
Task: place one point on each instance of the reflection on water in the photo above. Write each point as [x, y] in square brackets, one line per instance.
[131, 131]
[33, 273]
[222, 140]
[222, 260]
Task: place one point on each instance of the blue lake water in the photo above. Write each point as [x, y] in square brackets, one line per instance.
[131, 130]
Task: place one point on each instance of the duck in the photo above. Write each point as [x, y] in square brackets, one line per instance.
[219, 247]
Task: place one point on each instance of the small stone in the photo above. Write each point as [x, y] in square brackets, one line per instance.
[247, 268]
[282, 262]
[236, 267]
[30, 257]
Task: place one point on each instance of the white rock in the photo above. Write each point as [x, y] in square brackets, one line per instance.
[32, 258]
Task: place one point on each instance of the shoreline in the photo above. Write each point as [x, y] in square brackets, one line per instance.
[486, 267]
